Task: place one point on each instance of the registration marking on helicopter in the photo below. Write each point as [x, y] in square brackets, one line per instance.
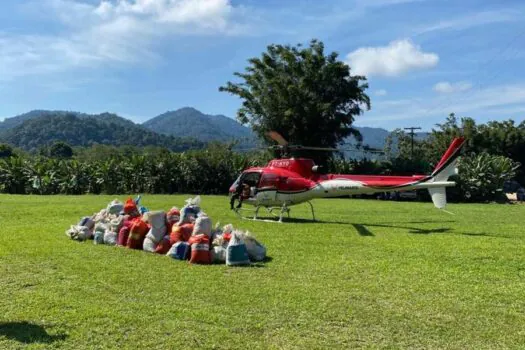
[348, 187]
[281, 163]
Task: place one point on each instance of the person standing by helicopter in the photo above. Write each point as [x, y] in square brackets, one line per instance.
[242, 191]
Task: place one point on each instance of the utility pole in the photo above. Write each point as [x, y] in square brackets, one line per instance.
[412, 128]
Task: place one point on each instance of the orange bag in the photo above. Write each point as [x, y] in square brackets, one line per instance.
[181, 233]
[130, 207]
[200, 249]
[138, 232]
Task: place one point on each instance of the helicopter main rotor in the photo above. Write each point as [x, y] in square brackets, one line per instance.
[285, 147]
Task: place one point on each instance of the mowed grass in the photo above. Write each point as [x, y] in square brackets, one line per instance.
[371, 274]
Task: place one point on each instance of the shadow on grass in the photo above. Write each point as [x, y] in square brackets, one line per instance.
[262, 263]
[338, 222]
[254, 264]
[362, 230]
[25, 332]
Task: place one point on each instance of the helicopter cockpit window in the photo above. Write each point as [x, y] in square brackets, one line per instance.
[251, 179]
[269, 180]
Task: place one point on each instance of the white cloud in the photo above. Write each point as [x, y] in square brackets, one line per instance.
[473, 20]
[444, 87]
[380, 92]
[112, 32]
[397, 58]
[502, 100]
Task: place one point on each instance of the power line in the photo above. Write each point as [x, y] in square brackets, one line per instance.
[412, 128]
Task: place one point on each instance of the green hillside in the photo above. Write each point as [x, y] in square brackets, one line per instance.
[189, 122]
[84, 130]
[173, 129]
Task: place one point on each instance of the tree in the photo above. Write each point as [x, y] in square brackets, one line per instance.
[6, 151]
[307, 97]
[60, 150]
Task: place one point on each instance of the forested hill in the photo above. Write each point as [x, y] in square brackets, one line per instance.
[190, 122]
[84, 130]
[9, 123]
[172, 129]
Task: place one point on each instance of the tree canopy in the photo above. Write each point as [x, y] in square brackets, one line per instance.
[308, 97]
[5, 150]
[60, 149]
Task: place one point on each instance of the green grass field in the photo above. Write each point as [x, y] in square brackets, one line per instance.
[371, 274]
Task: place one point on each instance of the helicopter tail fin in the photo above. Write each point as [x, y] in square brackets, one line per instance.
[446, 167]
[439, 196]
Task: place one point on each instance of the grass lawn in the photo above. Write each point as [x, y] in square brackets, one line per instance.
[371, 274]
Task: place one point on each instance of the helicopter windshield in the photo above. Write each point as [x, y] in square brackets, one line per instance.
[251, 179]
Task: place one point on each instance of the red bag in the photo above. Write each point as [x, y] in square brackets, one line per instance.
[138, 232]
[181, 233]
[164, 246]
[123, 235]
[200, 249]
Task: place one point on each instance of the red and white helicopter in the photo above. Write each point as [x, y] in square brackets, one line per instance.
[290, 181]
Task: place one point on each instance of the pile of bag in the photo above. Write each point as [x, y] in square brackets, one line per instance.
[185, 234]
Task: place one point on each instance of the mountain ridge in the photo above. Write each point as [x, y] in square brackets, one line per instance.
[41, 128]
[183, 123]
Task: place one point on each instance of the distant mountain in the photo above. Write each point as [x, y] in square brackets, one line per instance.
[173, 129]
[190, 122]
[39, 128]
[9, 123]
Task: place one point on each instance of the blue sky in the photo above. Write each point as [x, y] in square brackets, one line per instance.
[140, 58]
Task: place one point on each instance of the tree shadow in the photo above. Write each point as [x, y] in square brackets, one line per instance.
[26, 332]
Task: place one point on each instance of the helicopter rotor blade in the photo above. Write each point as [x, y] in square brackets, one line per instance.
[314, 148]
[274, 135]
[361, 150]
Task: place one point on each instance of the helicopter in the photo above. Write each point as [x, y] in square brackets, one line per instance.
[285, 182]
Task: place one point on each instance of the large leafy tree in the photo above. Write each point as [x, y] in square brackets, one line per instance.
[308, 97]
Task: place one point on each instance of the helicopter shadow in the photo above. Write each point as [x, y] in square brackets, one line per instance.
[363, 229]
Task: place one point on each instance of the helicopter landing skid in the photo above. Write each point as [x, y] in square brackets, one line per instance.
[283, 210]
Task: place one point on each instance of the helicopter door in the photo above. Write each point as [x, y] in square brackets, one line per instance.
[252, 180]
[267, 189]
